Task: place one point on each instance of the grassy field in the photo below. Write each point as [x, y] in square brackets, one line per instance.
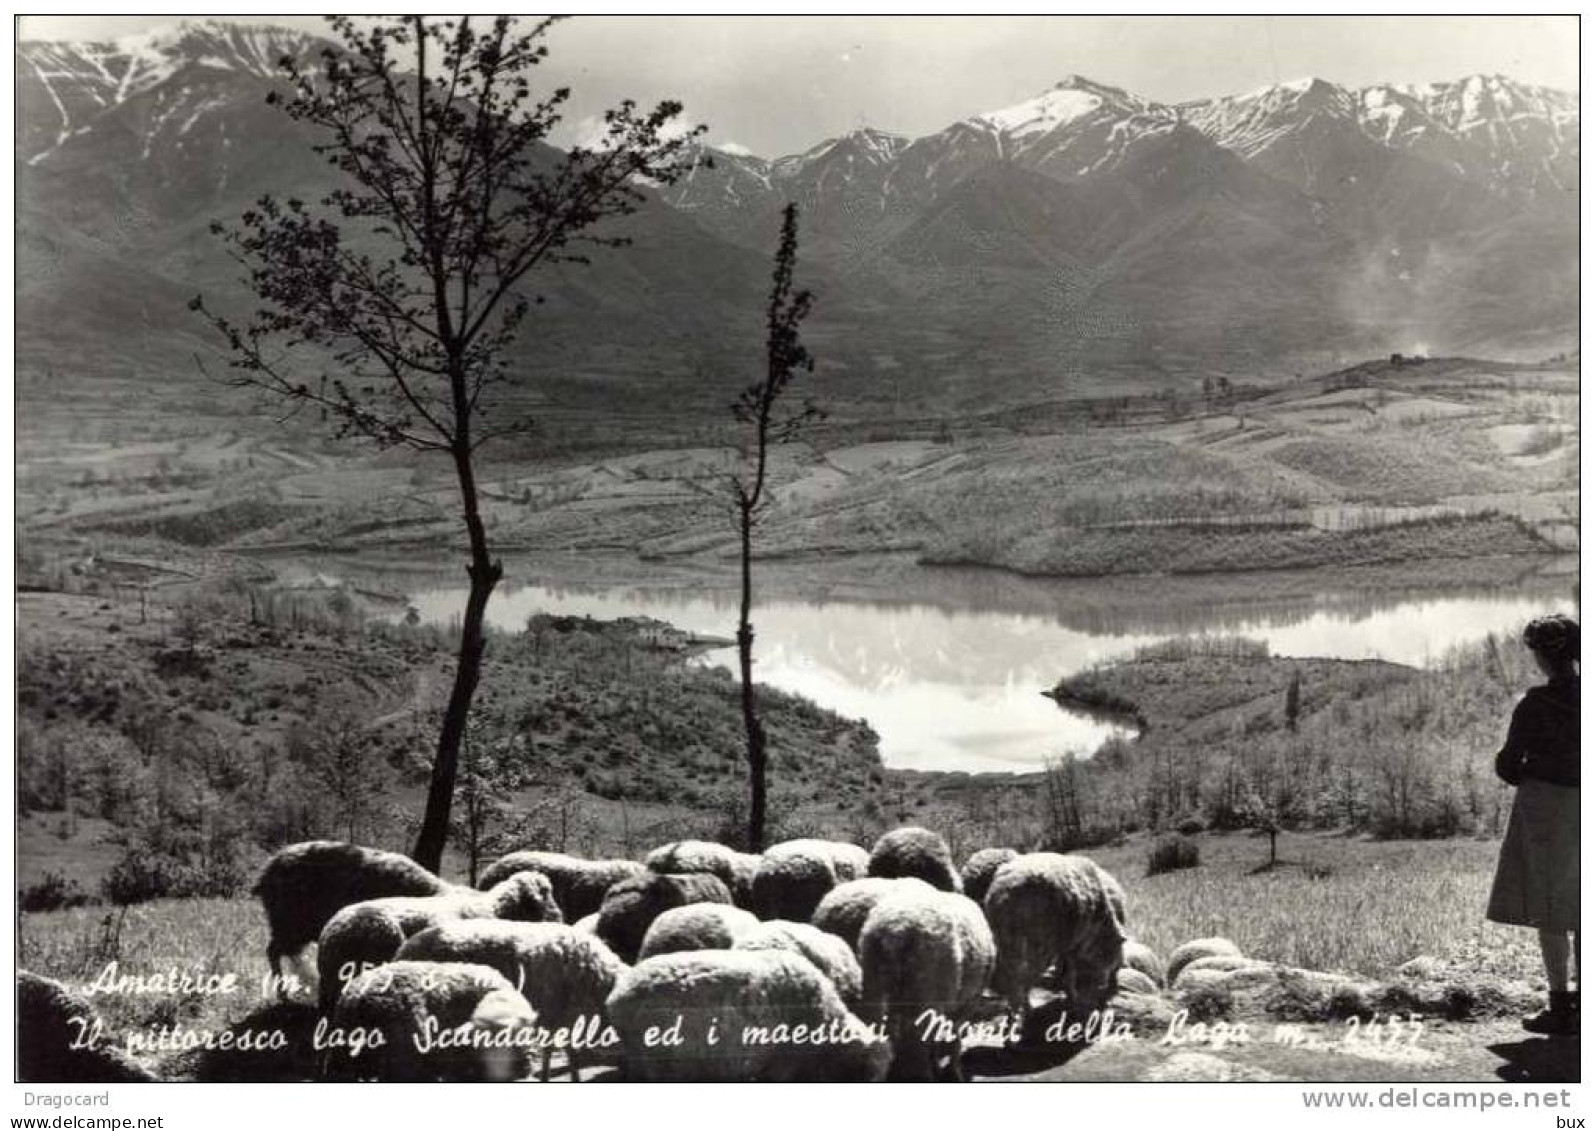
[1332, 903]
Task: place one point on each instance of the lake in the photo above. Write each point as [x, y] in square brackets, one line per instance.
[948, 666]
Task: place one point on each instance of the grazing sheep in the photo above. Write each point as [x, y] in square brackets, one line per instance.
[1139, 956]
[487, 1024]
[734, 868]
[371, 933]
[1217, 964]
[564, 974]
[1136, 981]
[1047, 910]
[791, 885]
[848, 861]
[774, 1017]
[980, 868]
[830, 955]
[304, 885]
[917, 852]
[845, 907]
[632, 905]
[697, 926]
[579, 885]
[924, 951]
[60, 1039]
[1187, 953]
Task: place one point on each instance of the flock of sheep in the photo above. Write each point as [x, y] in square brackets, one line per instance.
[815, 960]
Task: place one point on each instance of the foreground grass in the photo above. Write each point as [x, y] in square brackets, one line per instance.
[1333, 903]
[201, 938]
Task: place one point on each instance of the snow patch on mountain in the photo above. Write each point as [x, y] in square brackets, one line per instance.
[1042, 114]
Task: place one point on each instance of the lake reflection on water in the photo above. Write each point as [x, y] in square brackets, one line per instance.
[960, 689]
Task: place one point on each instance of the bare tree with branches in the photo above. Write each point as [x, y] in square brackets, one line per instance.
[758, 410]
[392, 306]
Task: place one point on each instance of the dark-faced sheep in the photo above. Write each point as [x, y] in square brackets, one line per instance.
[1049, 910]
[631, 906]
[978, 870]
[369, 934]
[790, 884]
[579, 885]
[915, 852]
[304, 885]
[927, 956]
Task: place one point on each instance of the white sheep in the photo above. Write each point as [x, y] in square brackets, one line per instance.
[1049, 910]
[368, 934]
[848, 861]
[1133, 980]
[1139, 956]
[734, 868]
[1216, 964]
[579, 885]
[304, 885]
[1187, 953]
[845, 907]
[739, 1015]
[831, 956]
[564, 974]
[926, 957]
[427, 1021]
[917, 852]
[697, 926]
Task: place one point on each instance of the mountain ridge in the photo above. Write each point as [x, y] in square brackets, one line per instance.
[1085, 238]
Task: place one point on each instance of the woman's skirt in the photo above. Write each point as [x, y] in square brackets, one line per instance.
[1536, 878]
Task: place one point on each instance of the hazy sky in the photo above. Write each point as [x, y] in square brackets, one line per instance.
[779, 84]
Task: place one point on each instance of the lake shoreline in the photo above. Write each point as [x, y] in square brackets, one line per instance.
[900, 578]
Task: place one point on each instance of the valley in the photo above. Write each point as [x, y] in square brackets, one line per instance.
[1382, 464]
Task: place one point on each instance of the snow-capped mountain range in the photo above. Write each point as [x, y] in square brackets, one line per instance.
[1504, 135]
[66, 87]
[1084, 229]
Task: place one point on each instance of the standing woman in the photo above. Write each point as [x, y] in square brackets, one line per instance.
[1536, 879]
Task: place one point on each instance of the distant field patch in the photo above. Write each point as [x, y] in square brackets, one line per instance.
[863, 458]
[1527, 442]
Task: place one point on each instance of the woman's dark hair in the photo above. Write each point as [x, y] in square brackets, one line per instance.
[1555, 637]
